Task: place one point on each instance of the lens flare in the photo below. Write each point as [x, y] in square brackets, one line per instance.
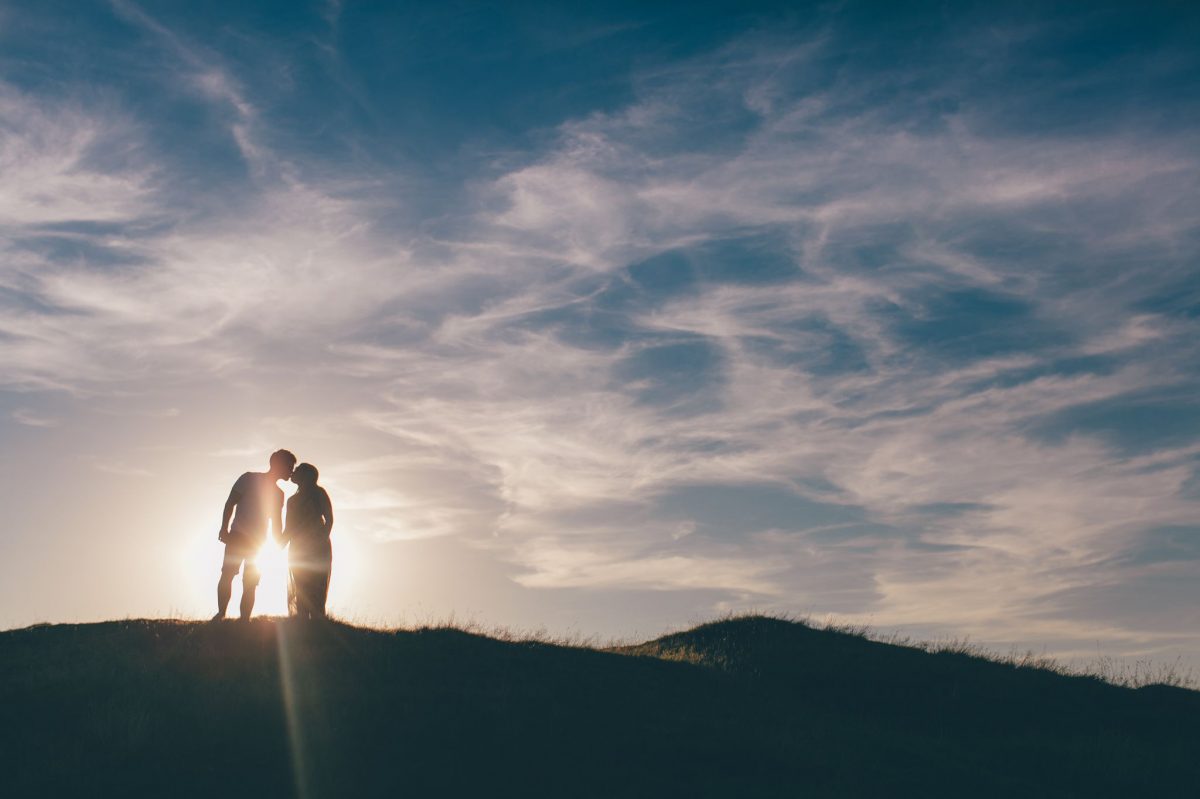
[271, 599]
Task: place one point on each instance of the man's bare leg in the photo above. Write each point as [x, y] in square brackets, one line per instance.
[247, 606]
[224, 591]
[250, 577]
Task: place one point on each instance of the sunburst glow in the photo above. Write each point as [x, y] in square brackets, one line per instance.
[272, 591]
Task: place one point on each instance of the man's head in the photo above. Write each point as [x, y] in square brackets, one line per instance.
[282, 464]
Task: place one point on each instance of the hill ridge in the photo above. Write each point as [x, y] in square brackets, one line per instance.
[753, 706]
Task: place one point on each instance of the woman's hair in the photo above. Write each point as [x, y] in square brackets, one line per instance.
[306, 473]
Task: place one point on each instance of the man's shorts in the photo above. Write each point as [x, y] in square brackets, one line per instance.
[241, 549]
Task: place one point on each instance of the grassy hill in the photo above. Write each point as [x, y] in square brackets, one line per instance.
[750, 707]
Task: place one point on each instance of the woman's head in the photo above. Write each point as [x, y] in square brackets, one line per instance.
[305, 475]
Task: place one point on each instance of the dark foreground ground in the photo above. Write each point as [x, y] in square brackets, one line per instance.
[762, 707]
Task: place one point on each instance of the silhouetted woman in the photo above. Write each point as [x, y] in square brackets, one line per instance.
[310, 556]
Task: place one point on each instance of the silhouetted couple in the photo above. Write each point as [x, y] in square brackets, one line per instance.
[256, 502]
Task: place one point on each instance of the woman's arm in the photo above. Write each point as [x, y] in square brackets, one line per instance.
[288, 527]
[327, 511]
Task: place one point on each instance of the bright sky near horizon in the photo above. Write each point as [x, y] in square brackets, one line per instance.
[611, 320]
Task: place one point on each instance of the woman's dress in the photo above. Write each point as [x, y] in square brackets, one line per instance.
[310, 556]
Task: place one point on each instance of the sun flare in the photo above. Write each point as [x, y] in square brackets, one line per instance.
[271, 599]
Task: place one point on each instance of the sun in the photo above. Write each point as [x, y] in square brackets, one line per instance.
[271, 599]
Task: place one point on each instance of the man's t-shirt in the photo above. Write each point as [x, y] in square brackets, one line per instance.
[260, 501]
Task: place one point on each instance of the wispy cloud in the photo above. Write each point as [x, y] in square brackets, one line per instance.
[798, 333]
[203, 73]
[32, 418]
[117, 467]
[899, 366]
[64, 163]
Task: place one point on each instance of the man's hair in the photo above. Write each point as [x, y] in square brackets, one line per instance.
[284, 455]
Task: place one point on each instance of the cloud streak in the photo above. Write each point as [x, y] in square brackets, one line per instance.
[895, 331]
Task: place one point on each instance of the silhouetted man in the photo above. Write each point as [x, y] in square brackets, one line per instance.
[258, 502]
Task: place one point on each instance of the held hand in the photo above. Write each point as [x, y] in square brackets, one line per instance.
[223, 536]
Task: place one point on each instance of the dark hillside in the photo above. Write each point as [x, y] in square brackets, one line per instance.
[749, 707]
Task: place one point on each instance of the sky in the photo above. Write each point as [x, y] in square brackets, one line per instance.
[608, 319]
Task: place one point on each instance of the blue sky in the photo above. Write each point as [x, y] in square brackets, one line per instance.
[610, 320]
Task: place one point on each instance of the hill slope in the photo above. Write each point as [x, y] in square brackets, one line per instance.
[747, 707]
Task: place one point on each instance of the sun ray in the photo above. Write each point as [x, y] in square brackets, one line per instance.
[291, 706]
